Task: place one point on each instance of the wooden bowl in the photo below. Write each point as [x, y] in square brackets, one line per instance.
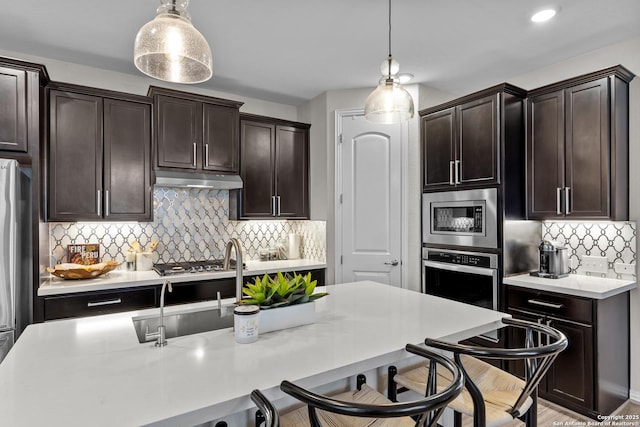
[79, 271]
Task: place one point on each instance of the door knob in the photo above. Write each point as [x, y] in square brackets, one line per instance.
[392, 263]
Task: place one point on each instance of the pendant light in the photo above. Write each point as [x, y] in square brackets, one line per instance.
[170, 48]
[389, 102]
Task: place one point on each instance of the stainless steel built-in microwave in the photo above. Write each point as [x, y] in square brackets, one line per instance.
[461, 218]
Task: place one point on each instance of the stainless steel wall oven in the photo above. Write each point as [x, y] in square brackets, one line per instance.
[469, 277]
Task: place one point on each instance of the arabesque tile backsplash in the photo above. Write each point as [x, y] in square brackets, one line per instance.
[614, 240]
[190, 224]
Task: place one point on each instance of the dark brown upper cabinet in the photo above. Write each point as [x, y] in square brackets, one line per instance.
[194, 132]
[274, 166]
[99, 155]
[578, 147]
[462, 139]
[20, 86]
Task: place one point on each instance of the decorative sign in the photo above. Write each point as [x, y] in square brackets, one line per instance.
[85, 254]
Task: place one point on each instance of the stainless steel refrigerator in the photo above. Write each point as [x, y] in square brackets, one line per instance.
[15, 252]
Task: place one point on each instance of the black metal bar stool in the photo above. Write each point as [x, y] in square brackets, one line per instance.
[367, 407]
[492, 396]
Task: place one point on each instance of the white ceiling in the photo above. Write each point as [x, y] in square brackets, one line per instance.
[290, 51]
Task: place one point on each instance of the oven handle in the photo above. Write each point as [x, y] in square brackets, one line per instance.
[482, 271]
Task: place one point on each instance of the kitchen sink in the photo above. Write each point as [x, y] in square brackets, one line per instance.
[185, 322]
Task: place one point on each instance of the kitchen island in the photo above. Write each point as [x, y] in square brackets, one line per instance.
[92, 371]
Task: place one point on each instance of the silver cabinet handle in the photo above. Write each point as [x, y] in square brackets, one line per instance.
[451, 181]
[107, 302]
[99, 200]
[392, 263]
[206, 155]
[558, 191]
[566, 200]
[278, 197]
[457, 172]
[195, 154]
[107, 209]
[273, 206]
[545, 304]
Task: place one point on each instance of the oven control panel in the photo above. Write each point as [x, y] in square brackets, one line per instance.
[460, 258]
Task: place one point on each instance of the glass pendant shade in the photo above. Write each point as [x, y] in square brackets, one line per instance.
[170, 48]
[389, 103]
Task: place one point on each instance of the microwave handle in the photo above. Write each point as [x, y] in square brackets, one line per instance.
[481, 271]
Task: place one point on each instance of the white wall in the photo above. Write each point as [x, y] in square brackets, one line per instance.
[138, 84]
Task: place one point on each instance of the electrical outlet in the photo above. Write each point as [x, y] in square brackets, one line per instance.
[595, 264]
[622, 268]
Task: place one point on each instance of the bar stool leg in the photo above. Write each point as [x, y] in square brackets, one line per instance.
[392, 387]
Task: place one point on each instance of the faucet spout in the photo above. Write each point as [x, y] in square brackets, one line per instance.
[235, 244]
[162, 340]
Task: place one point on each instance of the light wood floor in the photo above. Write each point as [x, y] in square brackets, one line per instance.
[550, 415]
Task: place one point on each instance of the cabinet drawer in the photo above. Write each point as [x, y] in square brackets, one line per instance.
[551, 304]
[95, 303]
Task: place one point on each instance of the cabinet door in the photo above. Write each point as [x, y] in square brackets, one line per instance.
[477, 147]
[13, 110]
[587, 149]
[257, 148]
[545, 155]
[516, 339]
[220, 138]
[204, 290]
[179, 127]
[127, 160]
[438, 136]
[570, 378]
[291, 172]
[75, 157]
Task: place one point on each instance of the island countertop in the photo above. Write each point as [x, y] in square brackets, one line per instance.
[93, 371]
[118, 279]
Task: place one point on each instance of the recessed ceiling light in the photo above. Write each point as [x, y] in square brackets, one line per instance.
[543, 15]
[405, 77]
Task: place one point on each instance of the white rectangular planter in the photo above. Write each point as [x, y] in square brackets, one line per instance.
[275, 319]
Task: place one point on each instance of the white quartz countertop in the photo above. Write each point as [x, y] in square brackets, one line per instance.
[126, 279]
[92, 371]
[574, 284]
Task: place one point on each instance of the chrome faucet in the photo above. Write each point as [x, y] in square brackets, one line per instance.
[235, 243]
[162, 340]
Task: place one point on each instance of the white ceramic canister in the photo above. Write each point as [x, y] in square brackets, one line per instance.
[245, 323]
[144, 261]
[294, 246]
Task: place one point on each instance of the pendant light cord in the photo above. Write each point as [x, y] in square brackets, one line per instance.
[389, 59]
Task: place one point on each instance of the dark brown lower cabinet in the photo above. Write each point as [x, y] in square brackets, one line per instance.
[118, 300]
[318, 274]
[592, 375]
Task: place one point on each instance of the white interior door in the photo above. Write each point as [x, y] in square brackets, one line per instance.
[371, 194]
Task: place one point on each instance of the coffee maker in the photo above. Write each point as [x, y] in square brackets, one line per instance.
[554, 260]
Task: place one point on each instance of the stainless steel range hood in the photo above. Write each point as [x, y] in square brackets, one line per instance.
[198, 180]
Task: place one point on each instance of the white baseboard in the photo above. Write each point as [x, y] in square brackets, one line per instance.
[634, 395]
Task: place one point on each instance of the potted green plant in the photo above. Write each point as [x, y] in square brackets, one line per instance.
[283, 300]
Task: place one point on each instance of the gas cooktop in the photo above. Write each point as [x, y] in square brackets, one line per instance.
[207, 266]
